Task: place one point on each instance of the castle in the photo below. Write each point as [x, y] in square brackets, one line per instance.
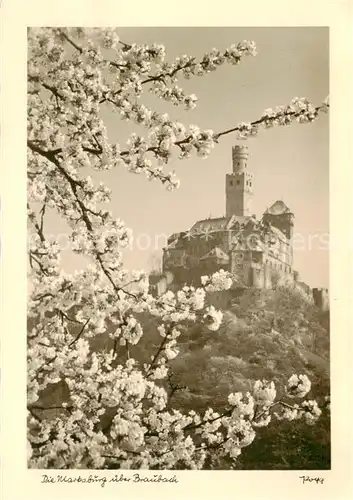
[257, 252]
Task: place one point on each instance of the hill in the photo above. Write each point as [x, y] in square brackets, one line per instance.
[265, 334]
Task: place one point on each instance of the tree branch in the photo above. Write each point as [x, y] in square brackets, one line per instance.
[79, 333]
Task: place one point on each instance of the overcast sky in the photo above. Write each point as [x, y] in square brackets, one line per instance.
[289, 163]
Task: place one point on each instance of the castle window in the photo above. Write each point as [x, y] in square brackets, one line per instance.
[231, 183]
[238, 181]
[250, 183]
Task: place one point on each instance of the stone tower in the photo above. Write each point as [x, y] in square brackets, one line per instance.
[239, 184]
[280, 216]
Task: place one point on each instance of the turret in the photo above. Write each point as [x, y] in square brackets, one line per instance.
[240, 156]
[280, 217]
[239, 184]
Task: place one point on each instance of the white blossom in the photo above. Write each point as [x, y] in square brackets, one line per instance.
[264, 392]
[311, 411]
[73, 73]
[298, 386]
[213, 318]
[220, 280]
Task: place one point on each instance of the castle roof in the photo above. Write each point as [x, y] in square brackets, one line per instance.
[278, 233]
[241, 219]
[173, 244]
[218, 224]
[216, 253]
[173, 237]
[278, 208]
[210, 224]
[245, 245]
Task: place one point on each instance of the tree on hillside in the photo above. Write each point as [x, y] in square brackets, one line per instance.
[113, 411]
[265, 334]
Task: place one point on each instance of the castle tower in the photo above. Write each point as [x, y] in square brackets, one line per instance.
[239, 184]
[280, 217]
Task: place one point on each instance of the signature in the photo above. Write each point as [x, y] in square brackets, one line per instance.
[310, 479]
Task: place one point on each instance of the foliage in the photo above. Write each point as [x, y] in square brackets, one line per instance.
[266, 334]
[113, 410]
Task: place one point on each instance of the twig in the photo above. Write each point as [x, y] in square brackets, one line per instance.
[79, 333]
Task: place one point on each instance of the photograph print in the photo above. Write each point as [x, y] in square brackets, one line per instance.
[178, 248]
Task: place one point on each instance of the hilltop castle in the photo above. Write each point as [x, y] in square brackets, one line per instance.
[257, 252]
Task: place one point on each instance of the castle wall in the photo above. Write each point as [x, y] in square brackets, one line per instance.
[321, 298]
[257, 276]
[240, 265]
[161, 286]
[267, 277]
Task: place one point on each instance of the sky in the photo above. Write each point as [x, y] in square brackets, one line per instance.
[289, 163]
